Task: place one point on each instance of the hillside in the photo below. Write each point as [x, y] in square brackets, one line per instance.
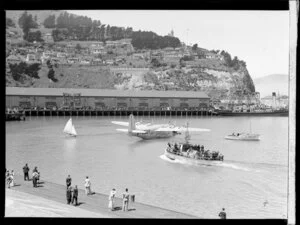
[174, 68]
[272, 83]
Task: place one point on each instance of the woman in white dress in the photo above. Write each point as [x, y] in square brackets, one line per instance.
[111, 199]
[87, 185]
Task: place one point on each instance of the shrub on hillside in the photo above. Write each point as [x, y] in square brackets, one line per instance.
[51, 75]
[18, 70]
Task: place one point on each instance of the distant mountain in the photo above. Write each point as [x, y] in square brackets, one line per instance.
[272, 83]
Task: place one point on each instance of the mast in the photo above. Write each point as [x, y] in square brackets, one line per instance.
[187, 134]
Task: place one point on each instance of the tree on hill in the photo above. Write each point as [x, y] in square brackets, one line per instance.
[195, 47]
[10, 23]
[34, 36]
[49, 22]
[26, 23]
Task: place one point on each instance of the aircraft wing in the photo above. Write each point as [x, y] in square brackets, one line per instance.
[192, 129]
[123, 130]
[181, 129]
[133, 131]
[121, 123]
[138, 131]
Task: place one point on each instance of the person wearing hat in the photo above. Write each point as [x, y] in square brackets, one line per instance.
[222, 214]
[75, 195]
[125, 200]
[26, 171]
[111, 197]
[69, 194]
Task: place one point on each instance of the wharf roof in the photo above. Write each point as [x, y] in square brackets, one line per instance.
[19, 91]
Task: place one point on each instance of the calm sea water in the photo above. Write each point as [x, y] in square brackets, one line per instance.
[252, 172]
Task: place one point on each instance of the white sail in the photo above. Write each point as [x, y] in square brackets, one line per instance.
[74, 131]
[69, 128]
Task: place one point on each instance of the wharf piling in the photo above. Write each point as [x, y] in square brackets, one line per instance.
[164, 113]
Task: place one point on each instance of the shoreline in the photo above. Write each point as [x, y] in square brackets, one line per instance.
[92, 206]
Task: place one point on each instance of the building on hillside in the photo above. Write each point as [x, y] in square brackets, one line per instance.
[30, 58]
[48, 38]
[103, 98]
[98, 50]
[13, 59]
[96, 62]
[210, 55]
[156, 55]
[171, 34]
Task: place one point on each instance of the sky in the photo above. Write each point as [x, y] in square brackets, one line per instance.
[260, 38]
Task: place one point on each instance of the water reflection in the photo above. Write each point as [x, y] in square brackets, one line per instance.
[69, 144]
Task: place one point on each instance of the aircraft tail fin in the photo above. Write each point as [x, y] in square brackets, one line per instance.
[131, 126]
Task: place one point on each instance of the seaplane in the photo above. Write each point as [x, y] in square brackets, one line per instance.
[152, 131]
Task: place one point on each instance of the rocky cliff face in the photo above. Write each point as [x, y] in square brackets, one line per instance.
[216, 83]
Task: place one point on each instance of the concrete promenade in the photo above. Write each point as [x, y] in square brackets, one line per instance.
[96, 203]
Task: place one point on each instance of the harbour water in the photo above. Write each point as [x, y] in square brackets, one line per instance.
[253, 173]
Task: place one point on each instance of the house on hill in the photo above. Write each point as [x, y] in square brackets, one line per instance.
[13, 59]
[48, 38]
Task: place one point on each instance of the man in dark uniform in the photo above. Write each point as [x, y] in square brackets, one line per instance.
[222, 214]
[69, 194]
[75, 195]
[26, 170]
[68, 181]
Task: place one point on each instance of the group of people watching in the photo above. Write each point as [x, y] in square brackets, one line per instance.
[72, 193]
[125, 199]
[194, 151]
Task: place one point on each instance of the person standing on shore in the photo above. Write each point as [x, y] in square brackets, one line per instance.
[222, 214]
[34, 178]
[8, 179]
[68, 181]
[35, 169]
[69, 195]
[125, 200]
[12, 177]
[111, 199]
[87, 185]
[75, 195]
[26, 171]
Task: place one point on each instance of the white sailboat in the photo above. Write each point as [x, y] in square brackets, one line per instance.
[70, 129]
[244, 136]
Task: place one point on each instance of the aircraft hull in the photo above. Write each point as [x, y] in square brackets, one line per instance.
[155, 134]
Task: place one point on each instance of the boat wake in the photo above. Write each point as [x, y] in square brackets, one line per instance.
[163, 157]
[232, 166]
[221, 164]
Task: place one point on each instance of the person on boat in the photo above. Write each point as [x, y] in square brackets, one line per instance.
[222, 214]
[75, 196]
[26, 171]
[87, 185]
[68, 181]
[233, 134]
[237, 134]
[202, 148]
[175, 147]
[111, 198]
